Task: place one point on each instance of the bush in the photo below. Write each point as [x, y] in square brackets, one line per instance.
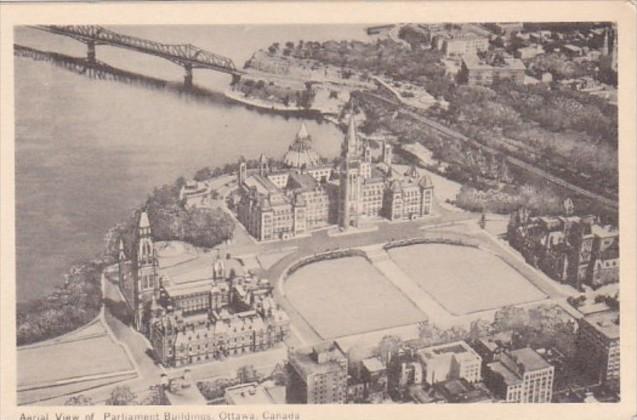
[68, 307]
[80, 400]
[542, 201]
[215, 389]
[203, 174]
[121, 395]
[171, 221]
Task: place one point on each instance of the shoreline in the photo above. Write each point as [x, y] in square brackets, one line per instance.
[270, 106]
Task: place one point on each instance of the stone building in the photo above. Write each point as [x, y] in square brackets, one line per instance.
[483, 71]
[450, 361]
[368, 383]
[139, 281]
[520, 376]
[598, 345]
[317, 375]
[463, 44]
[193, 306]
[572, 249]
[308, 194]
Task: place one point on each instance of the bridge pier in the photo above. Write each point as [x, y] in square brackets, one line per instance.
[90, 54]
[188, 76]
[236, 77]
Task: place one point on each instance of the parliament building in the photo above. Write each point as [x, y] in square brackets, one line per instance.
[308, 194]
[194, 306]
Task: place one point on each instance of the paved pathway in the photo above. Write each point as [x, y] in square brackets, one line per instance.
[302, 332]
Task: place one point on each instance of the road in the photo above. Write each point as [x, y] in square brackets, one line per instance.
[446, 131]
[302, 332]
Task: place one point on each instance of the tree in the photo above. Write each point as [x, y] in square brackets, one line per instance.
[388, 347]
[483, 221]
[248, 373]
[70, 305]
[203, 174]
[156, 396]
[207, 228]
[121, 395]
[479, 328]
[79, 399]
[279, 374]
[509, 317]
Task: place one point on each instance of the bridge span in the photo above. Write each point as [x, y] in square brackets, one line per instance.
[187, 56]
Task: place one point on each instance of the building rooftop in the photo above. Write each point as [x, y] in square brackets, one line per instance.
[262, 184]
[458, 390]
[300, 153]
[276, 393]
[474, 63]
[509, 377]
[512, 365]
[458, 348]
[301, 182]
[454, 387]
[189, 288]
[606, 322]
[196, 269]
[248, 394]
[530, 359]
[604, 231]
[373, 364]
[320, 358]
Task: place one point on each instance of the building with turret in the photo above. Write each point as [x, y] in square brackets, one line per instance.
[307, 194]
[139, 282]
[195, 306]
[576, 250]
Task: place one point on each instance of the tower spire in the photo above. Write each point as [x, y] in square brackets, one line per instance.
[351, 138]
[302, 134]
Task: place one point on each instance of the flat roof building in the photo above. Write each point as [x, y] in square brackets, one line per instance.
[317, 375]
[450, 361]
[520, 376]
[476, 71]
[598, 345]
[247, 394]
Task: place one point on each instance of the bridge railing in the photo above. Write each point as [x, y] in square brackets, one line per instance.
[182, 53]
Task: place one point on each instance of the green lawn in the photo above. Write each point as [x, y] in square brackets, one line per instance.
[348, 296]
[464, 279]
[84, 357]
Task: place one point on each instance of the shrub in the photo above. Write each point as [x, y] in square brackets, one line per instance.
[68, 307]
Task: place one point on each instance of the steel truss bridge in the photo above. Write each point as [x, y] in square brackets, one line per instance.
[187, 56]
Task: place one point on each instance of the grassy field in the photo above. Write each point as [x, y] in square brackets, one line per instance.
[72, 359]
[463, 279]
[348, 296]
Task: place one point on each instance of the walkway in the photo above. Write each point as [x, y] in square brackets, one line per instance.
[381, 260]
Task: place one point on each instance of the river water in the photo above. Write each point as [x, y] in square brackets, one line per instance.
[88, 151]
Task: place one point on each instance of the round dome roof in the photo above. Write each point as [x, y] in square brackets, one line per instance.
[300, 153]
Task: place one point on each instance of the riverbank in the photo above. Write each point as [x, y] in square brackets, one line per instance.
[266, 105]
[75, 303]
[79, 300]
